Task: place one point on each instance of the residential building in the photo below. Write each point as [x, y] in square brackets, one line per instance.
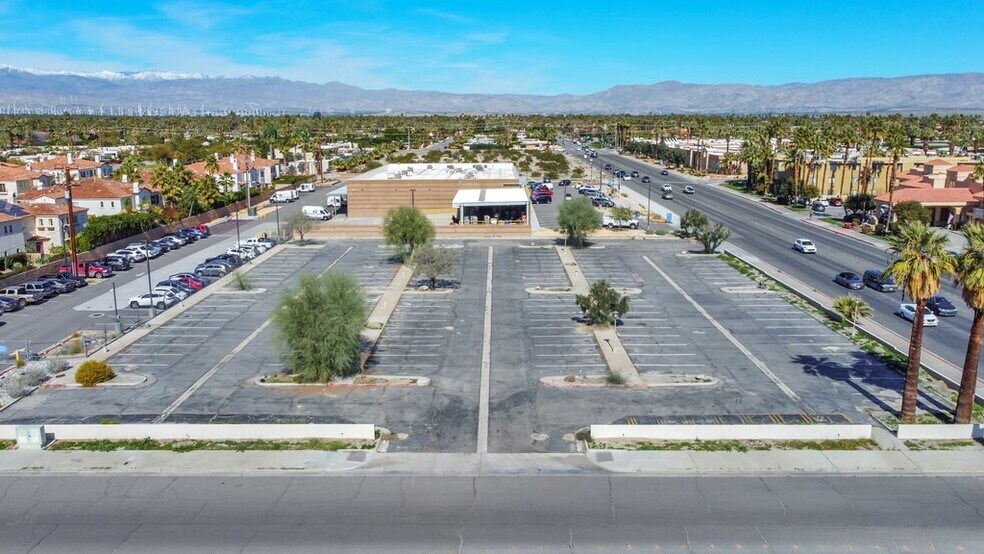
[13, 222]
[78, 168]
[946, 188]
[18, 179]
[47, 225]
[241, 170]
[98, 196]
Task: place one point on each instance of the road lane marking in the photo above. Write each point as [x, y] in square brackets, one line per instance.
[483, 399]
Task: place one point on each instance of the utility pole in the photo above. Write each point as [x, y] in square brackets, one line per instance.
[71, 220]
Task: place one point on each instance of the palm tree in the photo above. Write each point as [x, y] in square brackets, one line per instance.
[896, 143]
[921, 261]
[970, 274]
[852, 308]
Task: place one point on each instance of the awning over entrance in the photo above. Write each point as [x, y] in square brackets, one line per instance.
[490, 197]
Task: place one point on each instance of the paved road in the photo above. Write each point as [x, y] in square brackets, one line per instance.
[769, 235]
[490, 514]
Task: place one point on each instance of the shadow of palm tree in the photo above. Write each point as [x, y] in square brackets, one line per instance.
[867, 375]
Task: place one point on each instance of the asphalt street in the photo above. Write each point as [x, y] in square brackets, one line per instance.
[153, 513]
[762, 232]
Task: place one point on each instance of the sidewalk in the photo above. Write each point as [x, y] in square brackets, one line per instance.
[361, 462]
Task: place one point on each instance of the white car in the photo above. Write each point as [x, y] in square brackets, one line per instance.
[666, 188]
[244, 253]
[263, 244]
[908, 313]
[159, 300]
[805, 246]
[172, 290]
[822, 201]
[611, 223]
[134, 255]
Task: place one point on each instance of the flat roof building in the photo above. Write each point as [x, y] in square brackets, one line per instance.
[429, 187]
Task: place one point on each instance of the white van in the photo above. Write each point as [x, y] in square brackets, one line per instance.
[306, 187]
[316, 212]
[293, 194]
[337, 197]
[282, 196]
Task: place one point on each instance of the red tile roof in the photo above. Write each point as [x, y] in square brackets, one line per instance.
[50, 209]
[968, 168]
[61, 162]
[5, 217]
[17, 173]
[954, 196]
[225, 166]
[84, 189]
[938, 161]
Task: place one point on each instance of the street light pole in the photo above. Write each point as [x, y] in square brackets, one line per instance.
[237, 228]
[71, 221]
[649, 203]
[150, 288]
[277, 211]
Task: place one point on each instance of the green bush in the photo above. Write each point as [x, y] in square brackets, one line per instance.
[91, 373]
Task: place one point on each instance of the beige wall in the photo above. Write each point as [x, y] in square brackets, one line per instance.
[372, 198]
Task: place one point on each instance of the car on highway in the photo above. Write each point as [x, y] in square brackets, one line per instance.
[940, 306]
[21, 294]
[664, 172]
[608, 167]
[665, 188]
[876, 279]
[159, 300]
[689, 189]
[668, 195]
[634, 174]
[600, 200]
[212, 270]
[646, 179]
[850, 280]
[908, 313]
[805, 246]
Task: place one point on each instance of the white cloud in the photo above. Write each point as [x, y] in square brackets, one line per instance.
[446, 16]
[201, 15]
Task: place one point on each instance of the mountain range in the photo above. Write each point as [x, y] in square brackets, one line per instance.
[160, 92]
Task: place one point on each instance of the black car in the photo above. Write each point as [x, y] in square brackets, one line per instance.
[646, 179]
[163, 245]
[635, 174]
[664, 172]
[877, 280]
[188, 234]
[541, 199]
[565, 182]
[61, 285]
[183, 287]
[940, 306]
[79, 281]
[608, 167]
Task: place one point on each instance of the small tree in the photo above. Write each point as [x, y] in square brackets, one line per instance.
[859, 203]
[406, 227]
[693, 221]
[578, 218]
[621, 213]
[300, 224]
[852, 308]
[602, 305]
[911, 211]
[432, 262]
[318, 326]
[713, 237]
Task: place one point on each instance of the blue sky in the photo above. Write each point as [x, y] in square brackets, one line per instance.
[498, 46]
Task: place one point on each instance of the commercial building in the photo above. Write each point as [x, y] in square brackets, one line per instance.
[430, 187]
[947, 189]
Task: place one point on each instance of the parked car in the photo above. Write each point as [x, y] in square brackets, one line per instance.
[159, 300]
[22, 295]
[589, 190]
[61, 285]
[47, 290]
[542, 189]
[689, 190]
[646, 179]
[175, 240]
[163, 245]
[88, 269]
[876, 279]
[541, 198]
[608, 167]
[212, 270]
[263, 242]
[136, 256]
[940, 306]
[316, 212]
[565, 182]
[243, 253]
[850, 280]
[171, 290]
[180, 285]
[818, 208]
[834, 201]
[197, 281]
[610, 222]
[189, 234]
[204, 230]
[77, 280]
[908, 313]
[602, 200]
[805, 246]
[11, 304]
[116, 263]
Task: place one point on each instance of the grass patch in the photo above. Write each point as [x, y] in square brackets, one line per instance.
[832, 220]
[940, 445]
[7, 445]
[615, 378]
[796, 209]
[189, 446]
[742, 445]
[291, 378]
[241, 281]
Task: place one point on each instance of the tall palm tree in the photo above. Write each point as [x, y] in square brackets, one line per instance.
[896, 144]
[970, 274]
[921, 261]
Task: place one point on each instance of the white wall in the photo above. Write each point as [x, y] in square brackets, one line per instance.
[12, 237]
[193, 431]
[730, 432]
[940, 432]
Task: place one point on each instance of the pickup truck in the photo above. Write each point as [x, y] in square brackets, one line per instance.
[611, 223]
[88, 269]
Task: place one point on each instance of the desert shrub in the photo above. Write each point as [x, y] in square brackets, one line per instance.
[91, 373]
[14, 388]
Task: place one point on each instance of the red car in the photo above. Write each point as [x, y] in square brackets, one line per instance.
[190, 281]
[204, 229]
[541, 190]
[834, 201]
[88, 269]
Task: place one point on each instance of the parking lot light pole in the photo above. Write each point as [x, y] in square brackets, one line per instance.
[150, 288]
[237, 228]
[116, 312]
[649, 203]
[277, 211]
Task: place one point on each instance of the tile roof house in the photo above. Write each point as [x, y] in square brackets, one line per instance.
[79, 168]
[18, 179]
[99, 196]
[948, 189]
[13, 226]
[262, 171]
[47, 225]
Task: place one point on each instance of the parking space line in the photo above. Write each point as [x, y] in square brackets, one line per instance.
[568, 365]
[663, 354]
[484, 388]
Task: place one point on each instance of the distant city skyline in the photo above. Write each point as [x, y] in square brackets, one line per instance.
[498, 47]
